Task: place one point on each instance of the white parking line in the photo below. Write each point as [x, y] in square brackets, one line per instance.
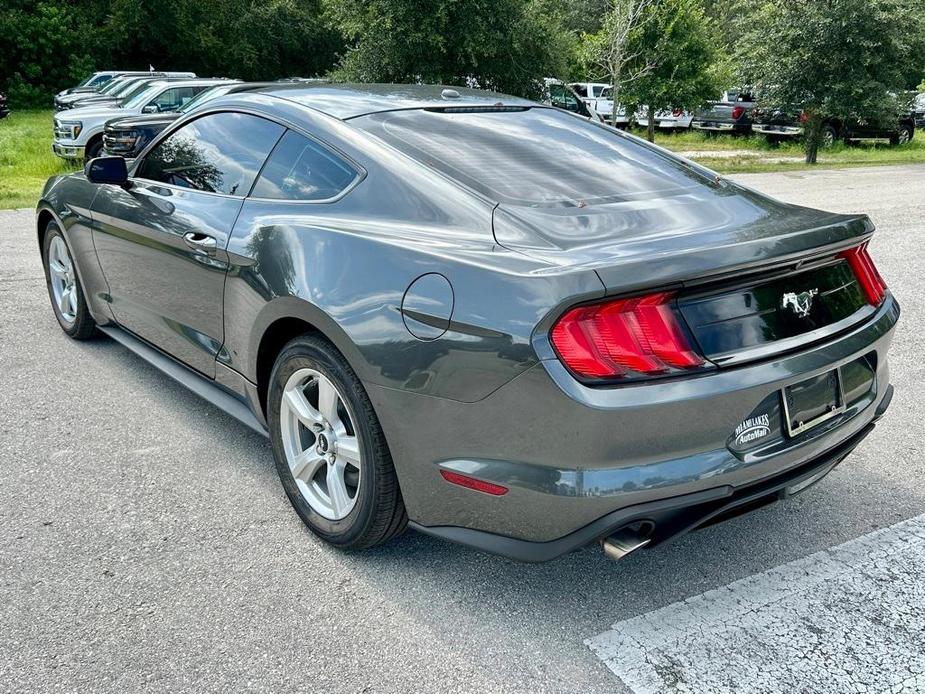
[848, 619]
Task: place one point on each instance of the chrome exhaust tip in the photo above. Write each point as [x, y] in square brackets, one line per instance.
[627, 540]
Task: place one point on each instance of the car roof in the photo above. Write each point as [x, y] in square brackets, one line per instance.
[346, 101]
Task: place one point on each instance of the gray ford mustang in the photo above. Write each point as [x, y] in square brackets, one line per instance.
[485, 318]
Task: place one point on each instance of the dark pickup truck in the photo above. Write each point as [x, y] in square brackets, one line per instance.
[4, 109]
[732, 114]
[918, 111]
[127, 137]
[780, 125]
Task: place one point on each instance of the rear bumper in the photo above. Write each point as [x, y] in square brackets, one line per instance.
[573, 456]
[672, 123]
[779, 130]
[721, 126]
[669, 518]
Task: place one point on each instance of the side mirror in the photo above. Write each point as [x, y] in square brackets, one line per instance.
[150, 108]
[107, 170]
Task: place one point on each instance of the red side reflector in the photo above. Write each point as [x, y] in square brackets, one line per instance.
[866, 273]
[472, 483]
[624, 338]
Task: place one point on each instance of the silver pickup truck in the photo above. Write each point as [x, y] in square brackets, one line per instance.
[732, 114]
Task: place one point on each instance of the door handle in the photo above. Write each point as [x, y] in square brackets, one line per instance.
[200, 242]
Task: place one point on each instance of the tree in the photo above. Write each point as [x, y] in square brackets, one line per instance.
[505, 45]
[614, 51]
[236, 38]
[681, 62]
[43, 48]
[51, 44]
[832, 59]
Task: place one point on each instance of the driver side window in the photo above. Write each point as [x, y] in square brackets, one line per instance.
[218, 153]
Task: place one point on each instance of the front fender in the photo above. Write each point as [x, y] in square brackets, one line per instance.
[68, 200]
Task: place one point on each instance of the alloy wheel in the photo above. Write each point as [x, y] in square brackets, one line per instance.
[321, 444]
[63, 280]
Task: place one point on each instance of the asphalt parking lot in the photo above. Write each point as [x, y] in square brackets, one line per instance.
[146, 544]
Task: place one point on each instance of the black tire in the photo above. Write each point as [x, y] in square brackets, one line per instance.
[827, 136]
[83, 326]
[94, 149]
[902, 137]
[379, 513]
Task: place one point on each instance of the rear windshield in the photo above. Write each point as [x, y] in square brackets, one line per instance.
[535, 157]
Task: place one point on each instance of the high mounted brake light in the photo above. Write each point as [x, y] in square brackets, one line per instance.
[866, 273]
[625, 338]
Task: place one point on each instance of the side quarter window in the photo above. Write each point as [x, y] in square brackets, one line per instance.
[217, 153]
[301, 169]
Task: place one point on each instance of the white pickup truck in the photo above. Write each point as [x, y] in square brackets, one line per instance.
[677, 119]
[604, 106]
[78, 133]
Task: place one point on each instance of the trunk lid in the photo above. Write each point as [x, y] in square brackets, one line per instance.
[731, 253]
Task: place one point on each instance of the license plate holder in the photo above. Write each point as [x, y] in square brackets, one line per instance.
[811, 402]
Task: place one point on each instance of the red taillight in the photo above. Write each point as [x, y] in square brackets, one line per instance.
[678, 112]
[803, 117]
[640, 336]
[863, 266]
[472, 483]
[737, 112]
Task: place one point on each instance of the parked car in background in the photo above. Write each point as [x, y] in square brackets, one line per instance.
[109, 92]
[94, 82]
[4, 109]
[69, 97]
[560, 95]
[451, 308]
[98, 80]
[676, 119]
[605, 108]
[127, 137]
[78, 133]
[731, 114]
[124, 93]
[115, 89]
[777, 125]
[589, 92]
[918, 111]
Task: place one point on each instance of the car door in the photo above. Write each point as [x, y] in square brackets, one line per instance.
[161, 241]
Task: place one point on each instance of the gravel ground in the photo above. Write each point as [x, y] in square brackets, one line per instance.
[146, 545]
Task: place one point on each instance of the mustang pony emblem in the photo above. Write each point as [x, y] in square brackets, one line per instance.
[800, 303]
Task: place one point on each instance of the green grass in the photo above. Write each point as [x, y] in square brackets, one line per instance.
[26, 160]
[697, 141]
[755, 154]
